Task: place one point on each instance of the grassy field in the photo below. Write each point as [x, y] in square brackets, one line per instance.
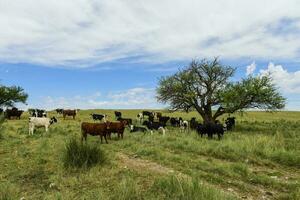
[260, 159]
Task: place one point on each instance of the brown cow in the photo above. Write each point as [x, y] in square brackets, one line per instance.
[116, 127]
[94, 129]
[69, 113]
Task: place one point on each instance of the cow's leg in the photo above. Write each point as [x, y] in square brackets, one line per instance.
[105, 138]
[101, 138]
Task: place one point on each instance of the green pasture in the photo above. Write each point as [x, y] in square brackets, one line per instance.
[259, 159]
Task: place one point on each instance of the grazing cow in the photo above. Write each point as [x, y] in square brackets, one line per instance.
[93, 129]
[184, 125]
[99, 117]
[118, 114]
[38, 113]
[40, 122]
[14, 112]
[163, 119]
[69, 113]
[210, 129]
[155, 126]
[116, 127]
[134, 128]
[193, 123]
[139, 117]
[174, 121]
[1, 111]
[230, 123]
[127, 120]
[59, 111]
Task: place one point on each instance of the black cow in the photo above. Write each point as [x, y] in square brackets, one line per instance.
[118, 114]
[14, 112]
[1, 111]
[147, 113]
[174, 122]
[59, 111]
[210, 129]
[127, 120]
[163, 119]
[193, 123]
[230, 123]
[134, 128]
[97, 116]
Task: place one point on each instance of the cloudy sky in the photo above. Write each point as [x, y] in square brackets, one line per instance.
[110, 53]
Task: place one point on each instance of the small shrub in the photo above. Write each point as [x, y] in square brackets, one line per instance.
[80, 155]
[186, 189]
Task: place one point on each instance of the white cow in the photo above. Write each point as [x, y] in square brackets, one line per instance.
[40, 122]
[184, 125]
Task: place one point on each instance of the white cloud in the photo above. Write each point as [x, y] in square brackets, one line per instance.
[288, 82]
[250, 69]
[79, 33]
[131, 98]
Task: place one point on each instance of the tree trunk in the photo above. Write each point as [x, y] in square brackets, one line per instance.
[207, 118]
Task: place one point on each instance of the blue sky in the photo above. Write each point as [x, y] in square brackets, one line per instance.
[110, 54]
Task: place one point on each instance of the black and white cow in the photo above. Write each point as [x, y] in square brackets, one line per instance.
[134, 128]
[40, 122]
[155, 126]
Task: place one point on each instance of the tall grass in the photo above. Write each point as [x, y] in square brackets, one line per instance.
[1, 124]
[80, 155]
[7, 192]
[176, 188]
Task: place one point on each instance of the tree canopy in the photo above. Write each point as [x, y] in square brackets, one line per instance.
[11, 95]
[205, 86]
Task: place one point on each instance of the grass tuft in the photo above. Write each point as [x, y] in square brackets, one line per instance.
[187, 189]
[7, 192]
[79, 155]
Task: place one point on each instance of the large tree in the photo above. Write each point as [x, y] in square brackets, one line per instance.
[11, 95]
[205, 86]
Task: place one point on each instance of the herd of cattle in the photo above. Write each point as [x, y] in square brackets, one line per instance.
[146, 121]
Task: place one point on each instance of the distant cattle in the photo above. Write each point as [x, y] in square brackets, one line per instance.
[13, 113]
[98, 117]
[163, 119]
[37, 113]
[1, 111]
[230, 123]
[139, 117]
[59, 111]
[94, 129]
[158, 115]
[147, 113]
[127, 120]
[184, 125]
[118, 114]
[116, 127]
[134, 128]
[174, 121]
[40, 122]
[69, 113]
[155, 126]
[210, 129]
[193, 123]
